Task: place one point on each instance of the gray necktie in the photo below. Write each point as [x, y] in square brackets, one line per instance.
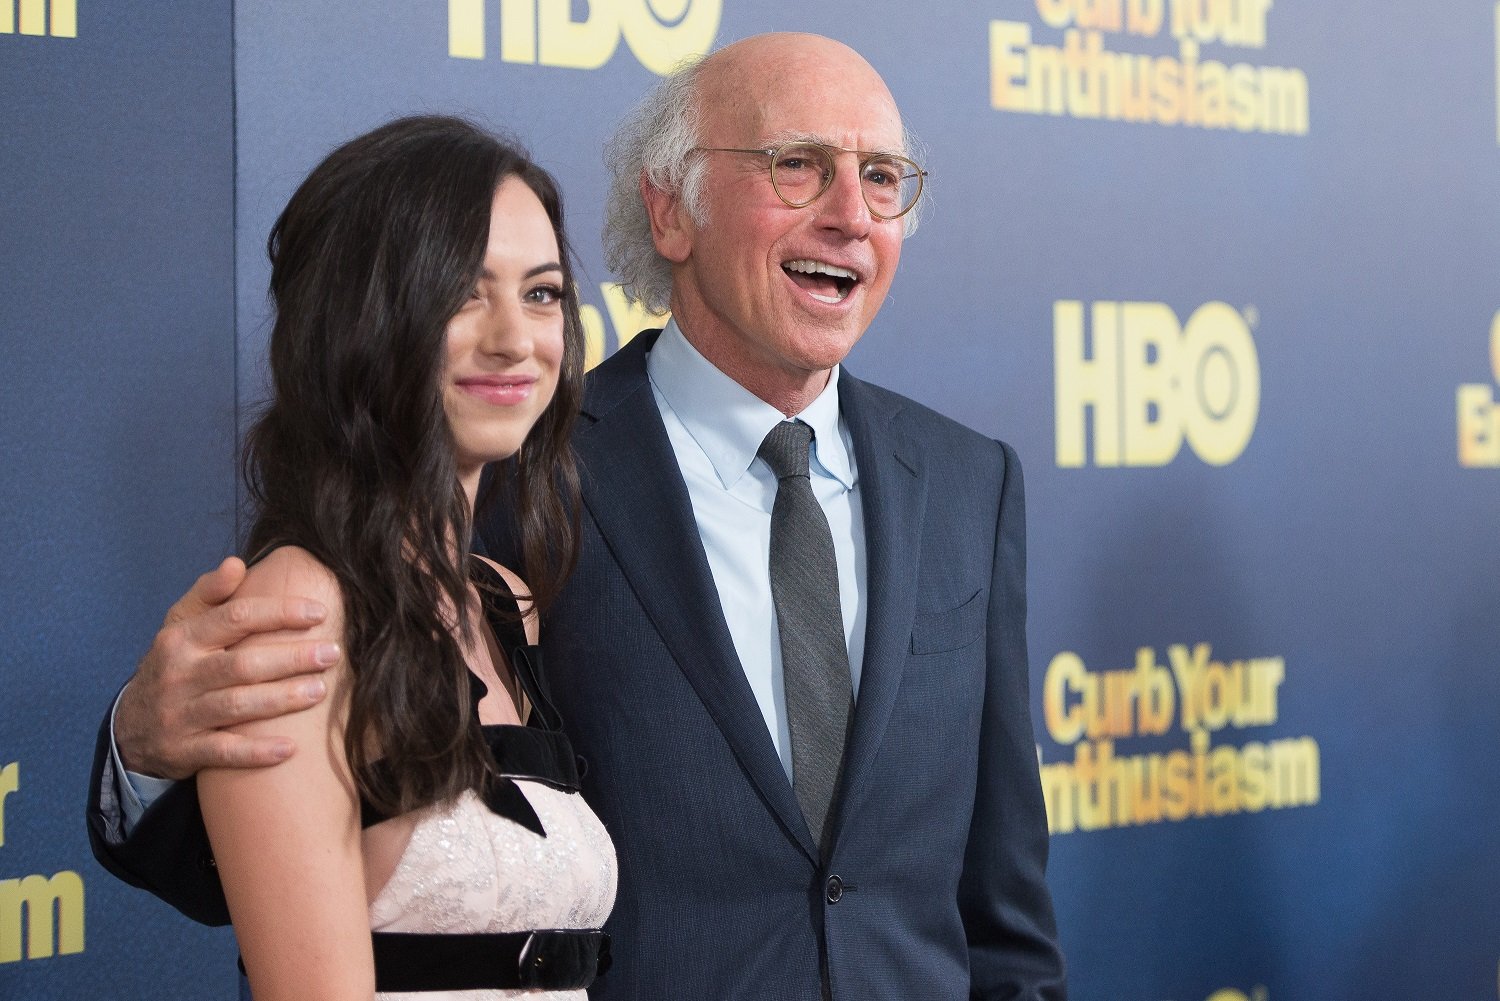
[814, 657]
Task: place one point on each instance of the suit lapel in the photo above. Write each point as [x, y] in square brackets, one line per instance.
[634, 489]
[893, 495]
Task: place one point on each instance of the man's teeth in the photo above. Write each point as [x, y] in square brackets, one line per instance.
[844, 279]
[819, 268]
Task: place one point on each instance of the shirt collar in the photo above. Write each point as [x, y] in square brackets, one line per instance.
[727, 420]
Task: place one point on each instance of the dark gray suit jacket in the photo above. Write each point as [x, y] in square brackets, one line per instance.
[932, 887]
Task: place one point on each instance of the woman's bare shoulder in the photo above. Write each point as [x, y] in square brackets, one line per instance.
[291, 573]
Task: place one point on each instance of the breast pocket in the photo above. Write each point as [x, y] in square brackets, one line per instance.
[937, 632]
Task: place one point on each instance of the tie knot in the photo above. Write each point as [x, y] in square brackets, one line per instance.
[785, 449]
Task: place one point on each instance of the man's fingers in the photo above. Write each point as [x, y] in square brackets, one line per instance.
[232, 750]
[243, 703]
[213, 588]
[228, 623]
[258, 664]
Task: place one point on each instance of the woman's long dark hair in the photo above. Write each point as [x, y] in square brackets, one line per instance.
[353, 459]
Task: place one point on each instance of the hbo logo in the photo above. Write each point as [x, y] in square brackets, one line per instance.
[661, 33]
[1149, 382]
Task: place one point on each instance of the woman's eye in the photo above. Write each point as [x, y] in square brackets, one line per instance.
[545, 294]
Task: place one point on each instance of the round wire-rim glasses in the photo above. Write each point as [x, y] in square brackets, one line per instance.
[802, 170]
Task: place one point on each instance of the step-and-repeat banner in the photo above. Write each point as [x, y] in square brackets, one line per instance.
[1223, 271]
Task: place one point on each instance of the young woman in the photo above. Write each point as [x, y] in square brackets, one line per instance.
[428, 835]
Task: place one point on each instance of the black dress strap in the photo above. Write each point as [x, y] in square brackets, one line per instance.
[537, 751]
[503, 613]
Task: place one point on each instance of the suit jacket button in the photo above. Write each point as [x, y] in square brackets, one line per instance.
[835, 889]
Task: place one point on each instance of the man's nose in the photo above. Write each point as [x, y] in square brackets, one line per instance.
[842, 206]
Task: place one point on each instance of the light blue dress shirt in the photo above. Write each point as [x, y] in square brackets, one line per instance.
[716, 426]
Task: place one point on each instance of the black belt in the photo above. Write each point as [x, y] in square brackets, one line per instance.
[554, 960]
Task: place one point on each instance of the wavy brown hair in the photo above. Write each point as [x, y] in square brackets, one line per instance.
[353, 460]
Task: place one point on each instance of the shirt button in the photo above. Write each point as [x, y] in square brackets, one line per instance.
[835, 889]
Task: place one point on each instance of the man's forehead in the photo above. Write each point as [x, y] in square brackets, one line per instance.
[801, 87]
[778, 137]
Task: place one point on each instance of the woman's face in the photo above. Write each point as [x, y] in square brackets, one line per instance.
[505, 345]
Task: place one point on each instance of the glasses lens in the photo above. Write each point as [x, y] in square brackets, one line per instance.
[891, 184]
[801, 173]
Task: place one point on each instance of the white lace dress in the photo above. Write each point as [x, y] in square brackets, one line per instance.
[467, 869]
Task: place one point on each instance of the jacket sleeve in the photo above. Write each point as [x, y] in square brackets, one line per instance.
[1003, 895]
[166, 853]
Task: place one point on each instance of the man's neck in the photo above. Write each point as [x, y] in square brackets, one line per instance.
[790, 391]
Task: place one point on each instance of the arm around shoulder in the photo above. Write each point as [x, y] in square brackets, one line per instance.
[287, 838]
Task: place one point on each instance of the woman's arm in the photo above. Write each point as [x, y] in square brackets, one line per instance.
[287, 838]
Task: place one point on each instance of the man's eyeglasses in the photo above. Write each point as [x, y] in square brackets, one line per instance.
[801, 171]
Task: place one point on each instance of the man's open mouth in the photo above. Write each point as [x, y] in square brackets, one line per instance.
[824, 282]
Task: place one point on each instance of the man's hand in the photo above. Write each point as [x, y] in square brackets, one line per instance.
[190, 685]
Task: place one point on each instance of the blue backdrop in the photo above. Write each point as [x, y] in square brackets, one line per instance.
[1223, 272]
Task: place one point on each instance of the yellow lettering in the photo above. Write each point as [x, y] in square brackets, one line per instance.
[1495, 345]
[583, 45]
[1065, 674]
[1084, 383]
[45, 906]
[1215, 695]
[1177, 786]
[1009, 43]
[1099, 789]
[662, 33]
[1150, 419]
[1478, 427]
[1221, 388]
[466, 29]
[1284, 108]
[628, 318]
[1055, 13]
[1263, 678]
[1227, 994]
[593, 335]
[1158, 700]
[1144, 17]
[1253, 787]
[33, 17]
[1148, 383]
[10, 781]
[1295, 772]
[1188, 668]
[64, 19]
[518, 31]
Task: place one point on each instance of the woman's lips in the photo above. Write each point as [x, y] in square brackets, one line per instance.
[499, 390]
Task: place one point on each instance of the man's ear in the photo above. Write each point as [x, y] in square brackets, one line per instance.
[671, 225]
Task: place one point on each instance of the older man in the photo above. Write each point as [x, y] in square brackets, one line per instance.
[794, 649]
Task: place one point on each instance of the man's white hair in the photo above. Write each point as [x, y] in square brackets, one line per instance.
[655, 141]
[658, 141]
